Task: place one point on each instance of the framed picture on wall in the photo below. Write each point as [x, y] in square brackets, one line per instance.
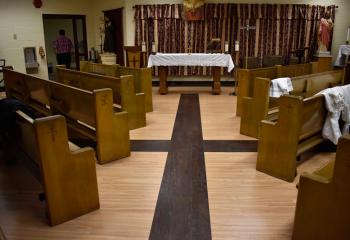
[194, 10]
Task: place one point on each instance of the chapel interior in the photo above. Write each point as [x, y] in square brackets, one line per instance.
[174, 120]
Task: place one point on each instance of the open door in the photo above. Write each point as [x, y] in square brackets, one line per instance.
[116, 18]
[75, 28]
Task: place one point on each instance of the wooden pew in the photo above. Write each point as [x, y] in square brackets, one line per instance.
[142, 77]
[67, 172]
[123, 92]
[89, 114]
[323, 210]
[260, 106]
[297, 130]
[245, 78]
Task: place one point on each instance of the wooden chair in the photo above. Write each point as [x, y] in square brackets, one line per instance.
[270, 61]
[142, 77]
[297, 130]
[123, 92]
[89, 114]
[323, 210]
[67, 172]
[133, 56]
[260, 106]
[252, 63]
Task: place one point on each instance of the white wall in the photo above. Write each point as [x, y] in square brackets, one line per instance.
[21, 18]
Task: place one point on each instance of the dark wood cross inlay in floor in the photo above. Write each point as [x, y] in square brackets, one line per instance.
[182, 210]
[209, 145]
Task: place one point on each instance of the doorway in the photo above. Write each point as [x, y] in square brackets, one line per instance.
[116, 18]
[75, 28]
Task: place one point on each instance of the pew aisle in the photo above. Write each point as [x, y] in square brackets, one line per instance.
[243, 203]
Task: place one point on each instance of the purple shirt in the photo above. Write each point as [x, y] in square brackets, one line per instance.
[62, 45]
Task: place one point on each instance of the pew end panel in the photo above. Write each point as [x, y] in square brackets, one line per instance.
[112, 132]
[69, 178]
[67, 172]
[143, 83]
[298, 129]
[323, 210]
[132, 103]
[255, 108]
[245, 78]
[277, 148]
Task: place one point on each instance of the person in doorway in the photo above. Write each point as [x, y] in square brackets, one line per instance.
[63, 47]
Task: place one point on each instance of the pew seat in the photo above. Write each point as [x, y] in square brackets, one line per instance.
[297, 130]
[260, 106]
[66, 172]
[89, 114]
[123, 92]
[142, 77]
[322, 210]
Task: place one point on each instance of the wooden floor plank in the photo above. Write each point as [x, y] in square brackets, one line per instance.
[244, 204]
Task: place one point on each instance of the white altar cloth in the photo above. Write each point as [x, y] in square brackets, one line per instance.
[193, 59]
[343, 50]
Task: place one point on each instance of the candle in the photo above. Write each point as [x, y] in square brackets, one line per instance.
[153, 47]
[143, 46]
[226, 46]
[348, 36]
[236, 46]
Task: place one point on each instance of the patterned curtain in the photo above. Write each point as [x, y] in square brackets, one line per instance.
[279, 29]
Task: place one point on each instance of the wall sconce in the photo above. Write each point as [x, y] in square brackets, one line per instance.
[41, 52]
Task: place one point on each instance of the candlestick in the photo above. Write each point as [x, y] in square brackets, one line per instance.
[154, 47]
[236, 46]
[144, 47]
[226, 47]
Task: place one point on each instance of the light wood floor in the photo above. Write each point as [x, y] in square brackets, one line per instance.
[244, 203]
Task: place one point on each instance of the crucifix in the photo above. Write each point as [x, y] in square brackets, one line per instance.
[247, 28]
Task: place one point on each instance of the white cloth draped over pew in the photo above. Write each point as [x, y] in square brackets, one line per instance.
[280, 86]
[338, 105]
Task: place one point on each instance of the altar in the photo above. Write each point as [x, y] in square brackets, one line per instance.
[215, 60]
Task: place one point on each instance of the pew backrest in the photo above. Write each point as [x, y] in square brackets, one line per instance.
[89, 81]
[246, 78]
[101, 69]
[142, 77]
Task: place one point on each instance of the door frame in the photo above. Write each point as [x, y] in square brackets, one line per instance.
[74, 18]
